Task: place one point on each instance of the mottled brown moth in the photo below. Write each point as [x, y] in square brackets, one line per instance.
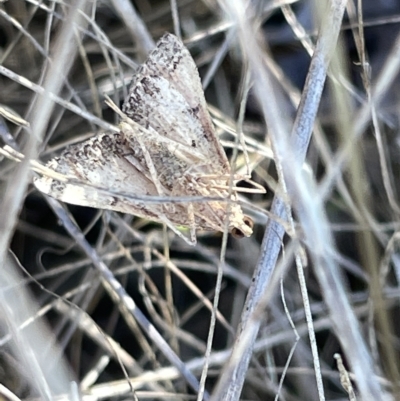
[166, 146]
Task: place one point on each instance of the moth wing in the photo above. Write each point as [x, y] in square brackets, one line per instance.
[100, 161]
[166, 94]
[109, 161]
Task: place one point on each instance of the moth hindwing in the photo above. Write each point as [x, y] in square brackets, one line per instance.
[166, 146]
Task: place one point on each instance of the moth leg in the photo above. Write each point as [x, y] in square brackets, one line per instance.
[257, 188]
[240, 189]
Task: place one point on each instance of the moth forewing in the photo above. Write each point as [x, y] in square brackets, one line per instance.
[165, 146]
[169, 81]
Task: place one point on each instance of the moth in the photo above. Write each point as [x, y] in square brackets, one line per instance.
[166, 146]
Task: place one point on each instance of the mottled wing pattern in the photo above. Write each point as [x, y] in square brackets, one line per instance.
[166, 94]
[168, 148]
[101, 161]
[108, 161]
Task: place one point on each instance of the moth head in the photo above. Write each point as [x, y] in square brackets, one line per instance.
[245, 229]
